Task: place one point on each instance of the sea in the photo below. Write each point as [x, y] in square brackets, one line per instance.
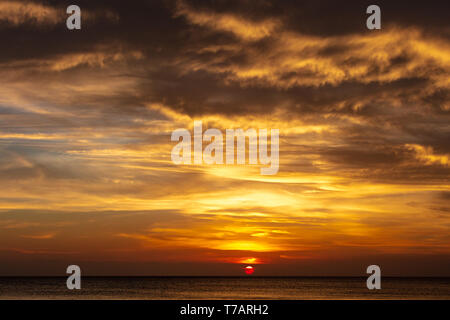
[224, 288]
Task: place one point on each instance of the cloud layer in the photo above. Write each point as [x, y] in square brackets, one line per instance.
[86, 118]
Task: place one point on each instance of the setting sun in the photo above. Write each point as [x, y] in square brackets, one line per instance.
[249, 270]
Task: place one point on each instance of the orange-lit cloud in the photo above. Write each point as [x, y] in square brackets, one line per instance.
[239, 26]
[17, 12]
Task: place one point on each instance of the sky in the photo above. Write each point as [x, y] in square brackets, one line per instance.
[86, 118]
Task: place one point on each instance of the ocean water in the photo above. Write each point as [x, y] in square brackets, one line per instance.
[239, 288]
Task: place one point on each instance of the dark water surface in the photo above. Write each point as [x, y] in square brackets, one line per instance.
[180, 288]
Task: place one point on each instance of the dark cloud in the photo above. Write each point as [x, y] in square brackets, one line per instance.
[170, 45]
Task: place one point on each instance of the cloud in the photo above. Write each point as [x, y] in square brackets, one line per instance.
[17, 13]
[239, 26]
[40, 236]
[427, 155]
[36, 13]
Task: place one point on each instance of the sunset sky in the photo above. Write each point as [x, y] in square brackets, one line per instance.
[86, 117]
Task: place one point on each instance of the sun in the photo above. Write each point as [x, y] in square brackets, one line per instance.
[249, 270]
